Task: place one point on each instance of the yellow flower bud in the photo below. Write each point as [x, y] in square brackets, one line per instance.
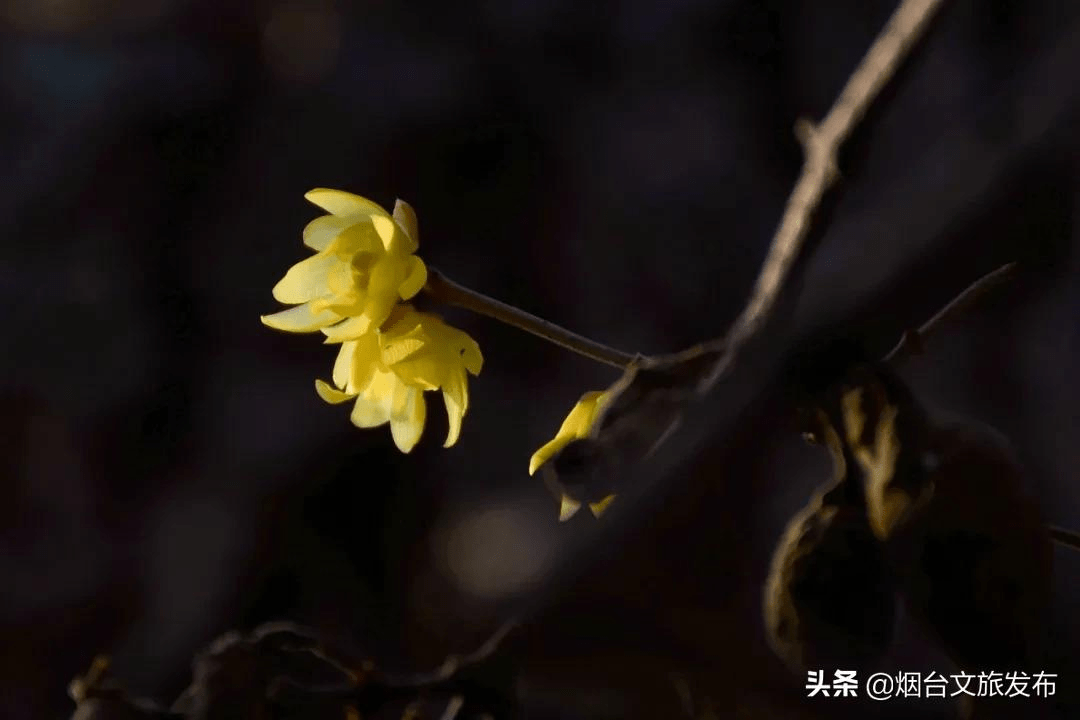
[576, 426]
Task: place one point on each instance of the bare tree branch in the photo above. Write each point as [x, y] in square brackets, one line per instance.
[820, 146]
[648, 402]
[913, 340]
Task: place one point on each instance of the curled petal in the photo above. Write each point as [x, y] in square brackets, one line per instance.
[568, 507]
[599, 508]
[358, 237]
[405, 217]
[331, 394]
[546, 451]
[396, 350]
[576, 426]
[347, 329]
[388, 231]
[378, 308]
[415, 277]
[320, 232]
[456, 398]
[301, 318]
[470, 355]
[341, 203]
[385, 278]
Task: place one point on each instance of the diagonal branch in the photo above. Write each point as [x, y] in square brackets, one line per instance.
[913, 340]
[820, 146]
[651, 398]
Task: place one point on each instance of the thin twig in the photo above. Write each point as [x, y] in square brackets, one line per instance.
[441, 288]
[1065, 538]
[453, 708]
[820, 146]
[913, 341]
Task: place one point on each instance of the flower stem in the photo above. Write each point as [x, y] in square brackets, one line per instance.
[441, 288]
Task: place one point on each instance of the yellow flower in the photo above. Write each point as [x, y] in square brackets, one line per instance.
[577, 426]
[387, 371]
[363, 266]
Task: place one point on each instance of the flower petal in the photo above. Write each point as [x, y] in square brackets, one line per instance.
[300, 319]
[320, 232]
[599, 508]
[341, 203]
[577, 425]
[365, 364]
[547, 451]
[415, 277]
[306, 280]
[386, 276]
[456, 398]
[347, 329]
[395, 350]
[568, 507]
[406, 218]
[407, 417]
[358, 236]
[372, 406]
[387, 229]
[331, 394]
[343, 364]
[471, 356]
[378, 308]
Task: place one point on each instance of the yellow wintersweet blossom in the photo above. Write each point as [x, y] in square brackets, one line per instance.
[577, 426]
[388, 370]
[362, 268]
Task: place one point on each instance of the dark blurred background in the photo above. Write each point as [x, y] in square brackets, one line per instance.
[616, 167]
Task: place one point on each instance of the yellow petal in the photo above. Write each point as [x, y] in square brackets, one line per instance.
[407, 419]
[576, 426]
[387, 229]
[365, 364]
[342, 280]
[359, 236]
[306, 280]
[300, 319]
[403, 320]
[396, 350]
[471, 356]
[347, 305]
[378, 308]
[343, 364]
[598, 508]
[331, 394]
[386, 276]
[406, 218]
[415, 278]
[347, 329]
[547, 451]
[578, 423]
[341, 203]
[372, 406]
[568, 508]
[456, 398]
[320, 232]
